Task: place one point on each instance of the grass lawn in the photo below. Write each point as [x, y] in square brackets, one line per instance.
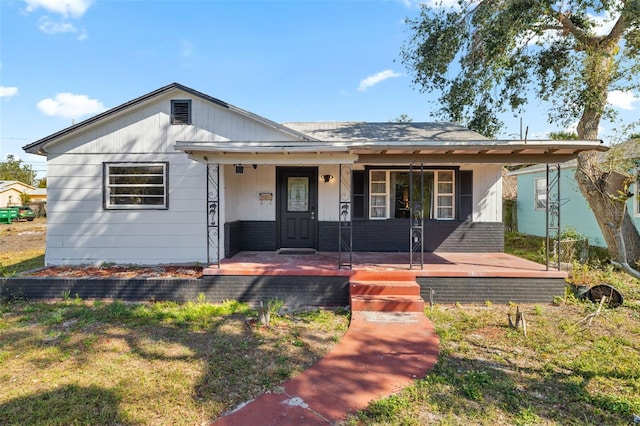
[81, 362]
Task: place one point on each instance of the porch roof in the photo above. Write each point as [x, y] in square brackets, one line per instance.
[388, 143]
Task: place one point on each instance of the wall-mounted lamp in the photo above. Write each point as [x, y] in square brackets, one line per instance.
[239, 169]
[326, 178]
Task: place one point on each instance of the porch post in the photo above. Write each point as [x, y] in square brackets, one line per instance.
[345, 230]
[552, 210]
[213, 214]
[416, 214]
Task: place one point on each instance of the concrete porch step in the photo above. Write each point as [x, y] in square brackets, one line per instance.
[381, 288]
[385, 293]
[387, 303]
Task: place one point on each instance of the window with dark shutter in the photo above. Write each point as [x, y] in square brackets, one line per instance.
[181, 112]
[465, 193]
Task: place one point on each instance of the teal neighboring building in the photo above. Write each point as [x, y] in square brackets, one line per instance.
[575, 212]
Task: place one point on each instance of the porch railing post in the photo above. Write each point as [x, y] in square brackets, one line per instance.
[345, 229]
[416, 221]
[552, 211]
[213, 214]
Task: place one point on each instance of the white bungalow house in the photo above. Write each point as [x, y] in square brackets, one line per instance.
[11, 191]
[177, 176]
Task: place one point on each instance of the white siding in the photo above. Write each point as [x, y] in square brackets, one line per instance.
[487, 191]
[243, 193]
[81, 231]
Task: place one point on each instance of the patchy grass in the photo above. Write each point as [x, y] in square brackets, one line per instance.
[566, 371]
[563, 372]
[14, 263]
[75, 362]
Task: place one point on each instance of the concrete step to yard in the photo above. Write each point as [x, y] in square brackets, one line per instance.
[383, 276]
[381, 288]
[387, 303]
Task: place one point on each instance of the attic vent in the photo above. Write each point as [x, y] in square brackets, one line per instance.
[181, 112]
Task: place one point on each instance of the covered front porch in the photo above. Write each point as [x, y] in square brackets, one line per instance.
[301, 262]
[445, 278]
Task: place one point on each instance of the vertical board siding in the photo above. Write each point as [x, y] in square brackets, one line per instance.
[487, 192]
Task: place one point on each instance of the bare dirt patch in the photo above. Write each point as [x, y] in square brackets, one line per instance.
[23, 235]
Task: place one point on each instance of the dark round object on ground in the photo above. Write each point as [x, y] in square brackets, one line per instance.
[614, 298]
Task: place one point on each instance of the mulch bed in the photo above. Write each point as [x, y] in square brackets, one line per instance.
[120, 271]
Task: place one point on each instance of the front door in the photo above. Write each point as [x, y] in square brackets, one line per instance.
[297, 198]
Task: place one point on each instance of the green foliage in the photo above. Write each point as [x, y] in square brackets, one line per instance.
[402, 118]
[25, 198]
[13, 169]
[489, 57]
[563, 135]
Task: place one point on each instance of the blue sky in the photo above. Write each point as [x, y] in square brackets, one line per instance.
[298, 60]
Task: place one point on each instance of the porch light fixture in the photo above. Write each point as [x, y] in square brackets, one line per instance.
[239, 169]
[326, 178]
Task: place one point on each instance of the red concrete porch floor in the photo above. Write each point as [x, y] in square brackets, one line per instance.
[381, 353]
[435, 265]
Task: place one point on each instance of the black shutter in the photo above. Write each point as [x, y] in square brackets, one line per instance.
[465, 195]
[358, 193]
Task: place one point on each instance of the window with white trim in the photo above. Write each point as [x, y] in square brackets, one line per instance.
[444, 194]
[378, 194]
[540, 193]
[389, 193]
[135, 185]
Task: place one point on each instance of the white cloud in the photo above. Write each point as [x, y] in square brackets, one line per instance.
[68, 105]
[48, 26]
[187, 51]
[605, 22]
[573, 128]
[7, 92]
[187, 48]
[622, 100]
[377, 78]
[66, 8]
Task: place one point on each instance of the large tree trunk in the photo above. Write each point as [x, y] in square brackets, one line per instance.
[596, 184]
[597, 187]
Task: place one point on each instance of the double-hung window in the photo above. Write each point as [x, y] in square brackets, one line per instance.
[540, 193]
[135, 185]
[390, 193]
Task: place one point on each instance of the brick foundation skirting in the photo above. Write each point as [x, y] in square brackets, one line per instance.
[292, 290]
[493, 289]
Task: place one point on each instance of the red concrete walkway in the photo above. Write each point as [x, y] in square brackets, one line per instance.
[381, 353]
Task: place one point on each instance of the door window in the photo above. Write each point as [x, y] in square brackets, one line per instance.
[298, 194]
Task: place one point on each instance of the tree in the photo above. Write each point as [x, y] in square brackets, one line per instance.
[402, 118]
[25, 198]
[13, 169]
[488, 57]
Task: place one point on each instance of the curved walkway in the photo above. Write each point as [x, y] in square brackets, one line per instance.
[381, 353]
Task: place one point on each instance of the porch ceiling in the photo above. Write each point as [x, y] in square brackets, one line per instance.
[477, 151]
